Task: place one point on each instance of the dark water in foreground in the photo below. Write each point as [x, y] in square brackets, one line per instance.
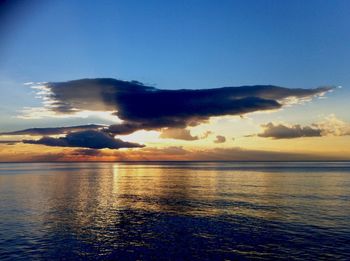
[176, 211]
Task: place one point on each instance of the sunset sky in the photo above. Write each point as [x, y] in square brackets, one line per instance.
[174, 80]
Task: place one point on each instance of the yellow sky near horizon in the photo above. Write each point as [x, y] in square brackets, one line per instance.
[236, 146]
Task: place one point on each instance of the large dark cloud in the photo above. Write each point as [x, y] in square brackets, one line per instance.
[281, 131]
[53, 130]
[145, 107]
[87, 139]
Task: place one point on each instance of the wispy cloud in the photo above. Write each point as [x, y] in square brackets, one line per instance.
[53, 130]
[331, 125]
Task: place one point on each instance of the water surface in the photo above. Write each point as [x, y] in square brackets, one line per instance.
[175, 211]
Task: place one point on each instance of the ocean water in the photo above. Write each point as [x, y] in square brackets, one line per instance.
[175, 211]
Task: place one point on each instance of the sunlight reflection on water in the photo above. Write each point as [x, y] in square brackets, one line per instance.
[174, 210]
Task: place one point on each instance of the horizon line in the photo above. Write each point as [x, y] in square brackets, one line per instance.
[199, 161]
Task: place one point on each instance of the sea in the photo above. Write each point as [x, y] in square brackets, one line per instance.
[175, 211]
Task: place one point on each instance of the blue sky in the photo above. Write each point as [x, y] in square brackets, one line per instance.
[175, 44]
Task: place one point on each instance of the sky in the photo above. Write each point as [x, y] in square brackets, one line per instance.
[142, 80]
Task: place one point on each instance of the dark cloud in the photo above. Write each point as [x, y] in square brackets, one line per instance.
[145, 107]
[9, 142]
[87, 139]
[177, 133]
[281, 131]
[220, 139]
[53, 130]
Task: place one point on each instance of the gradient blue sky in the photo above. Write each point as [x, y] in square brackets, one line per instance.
[175, 44]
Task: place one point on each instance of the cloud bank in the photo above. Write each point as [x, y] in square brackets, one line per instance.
[173, 153]
[281, 131]
[142, 107]
[331, 126]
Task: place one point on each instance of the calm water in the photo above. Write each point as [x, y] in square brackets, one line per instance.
[175, 211]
